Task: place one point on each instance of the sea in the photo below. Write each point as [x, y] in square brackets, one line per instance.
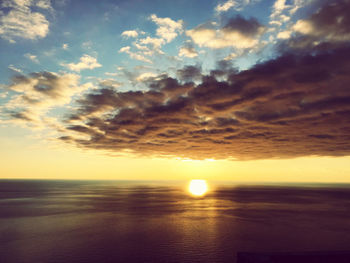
[147, 221]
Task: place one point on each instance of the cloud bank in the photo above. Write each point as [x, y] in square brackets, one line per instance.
[287, 107]
[296, 104]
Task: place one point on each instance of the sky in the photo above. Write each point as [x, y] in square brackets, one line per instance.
[237, 90]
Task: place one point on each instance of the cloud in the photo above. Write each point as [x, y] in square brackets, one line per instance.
[167, 29]
[148, 46]
[145, 76]
[230, 56]
[225, 6]
[331, 23]
[21, 22]
[284, 34]
[130, 33]
[282, 11]
[294, 105]
[86, 62]
[238, 5]
[44, 4]
[189, 73]
[65, 46]
[13, 68]
[110, 83]
[328, 27]
[278, 7]
[238, 33]
[37, 93]
[134, 55]
[31, 57]
[155, 42]
[188, 50]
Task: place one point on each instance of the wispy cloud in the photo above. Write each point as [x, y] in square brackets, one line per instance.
[281, 14]
[31, 57]
[134, 55]
[225, 6]
[233, 4]
[13, 68]
[21, 22]
[37, 93]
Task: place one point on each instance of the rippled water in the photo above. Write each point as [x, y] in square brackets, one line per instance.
[64, 221]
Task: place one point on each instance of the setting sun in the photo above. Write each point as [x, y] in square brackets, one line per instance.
[198, 187]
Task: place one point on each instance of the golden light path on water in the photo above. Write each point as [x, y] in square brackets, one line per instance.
[198, 187]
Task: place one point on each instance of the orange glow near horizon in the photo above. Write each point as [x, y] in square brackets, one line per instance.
[23, 160]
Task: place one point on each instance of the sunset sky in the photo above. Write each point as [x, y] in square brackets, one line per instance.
[237, 90]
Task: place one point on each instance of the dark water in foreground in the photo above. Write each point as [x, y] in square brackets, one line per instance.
[62, 221]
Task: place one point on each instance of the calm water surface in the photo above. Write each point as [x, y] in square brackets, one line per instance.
[66, 221]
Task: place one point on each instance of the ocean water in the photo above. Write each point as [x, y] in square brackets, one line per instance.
[91, 221]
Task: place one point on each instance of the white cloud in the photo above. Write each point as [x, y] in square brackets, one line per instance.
[21, 22]
[12, 67]
[145, 76]
[130, 33]
[155, 42]
[124, 49]
[278, 7]
[39, 92]
[133, 55]
[167, 29]
[31, 57]
[225, 6]
[238, 5]
[282, 12]
[139, 57]
[303, 26]
[140, 47]
[65, 46]
[275, 23]
[284, 34]
[86, 62]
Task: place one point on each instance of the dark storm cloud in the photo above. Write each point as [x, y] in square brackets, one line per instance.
[329, 27]
[248, 27]
[189, 73]
[238, 33]
[287, 107]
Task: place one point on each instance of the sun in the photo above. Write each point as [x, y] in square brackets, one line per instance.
[198, 187]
